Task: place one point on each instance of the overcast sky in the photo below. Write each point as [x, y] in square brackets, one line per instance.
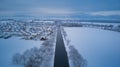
[59, 7]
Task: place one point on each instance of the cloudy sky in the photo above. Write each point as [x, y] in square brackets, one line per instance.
[61, 8]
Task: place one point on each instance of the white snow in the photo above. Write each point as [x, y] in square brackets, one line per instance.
[8, 47]
[101, 48]
[101, 23]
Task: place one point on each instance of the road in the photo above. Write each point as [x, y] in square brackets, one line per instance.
[61, 58]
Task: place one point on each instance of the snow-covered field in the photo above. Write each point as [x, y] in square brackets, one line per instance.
[100, 48]
[16, 52]
[33, 46]
[8, 47]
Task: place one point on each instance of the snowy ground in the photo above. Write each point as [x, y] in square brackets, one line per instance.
[100, 48]
[34, 50]
[14, 49]
[32, 44]
[8, 47]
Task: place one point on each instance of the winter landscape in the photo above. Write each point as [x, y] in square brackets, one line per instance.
[59, 33]
[33, 43]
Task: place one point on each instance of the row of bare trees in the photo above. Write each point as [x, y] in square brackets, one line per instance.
[37, 56]
[103, 26]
